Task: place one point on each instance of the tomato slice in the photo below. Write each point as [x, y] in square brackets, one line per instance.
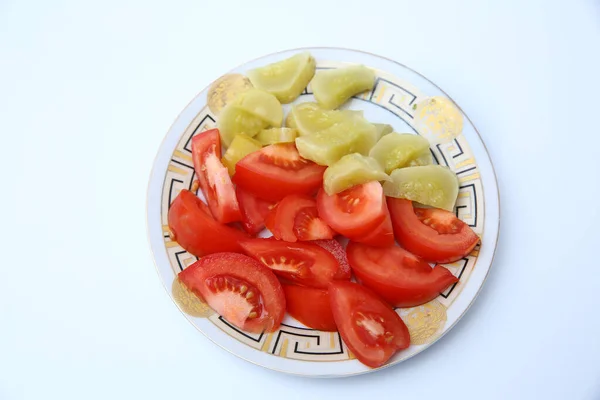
[254, 211]
[382, 236]
[281, 224]
[277, 171]
[433, 234]
[238, 288]
[214, 179]
[302, 263]
[370, 327]
[401, 278]
[310, 306]
[337, 251]
[354, 212]
[196, 230]
[308, 226]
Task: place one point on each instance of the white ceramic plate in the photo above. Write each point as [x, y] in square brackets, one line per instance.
[410, 103]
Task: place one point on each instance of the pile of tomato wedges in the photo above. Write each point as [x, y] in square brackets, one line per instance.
[305, 268]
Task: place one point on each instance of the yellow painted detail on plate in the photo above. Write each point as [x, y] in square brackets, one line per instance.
[468, 178]
[182, 155]
[464, 163]
[177, 170]
[380, 95]
[284, 346]
[424, 322]
[351, 355]
[225, 89]
[438, 119]
[267, 343]
[171, 244]
[188, 302]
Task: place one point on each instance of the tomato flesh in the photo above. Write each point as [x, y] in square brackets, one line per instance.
[238, 288]
[214, 179]
[197, 231]
[282, 217]
[277, 171]
[310, 306]
[433, 234]
[382, 236]
[401, 278]
[308, 226]
[369, 327]
[354, 212]
[302, 263]
[337, 250]
[254, 211]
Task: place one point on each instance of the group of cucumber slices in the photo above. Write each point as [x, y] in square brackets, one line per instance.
[354, 149]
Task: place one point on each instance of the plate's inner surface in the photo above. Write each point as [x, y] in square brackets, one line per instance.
[391, 101]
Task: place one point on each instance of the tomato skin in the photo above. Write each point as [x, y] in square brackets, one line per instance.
[382, 236]
[337, 251]
[214, 180]
[302, 263]
[197, 231]
[350, 304]
[336, 210]
[246, 270]
[260, 175]
[401, 278]
[310, 306]
[254, 211]
[426, 242]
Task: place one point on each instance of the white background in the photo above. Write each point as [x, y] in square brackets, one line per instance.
[88, 90]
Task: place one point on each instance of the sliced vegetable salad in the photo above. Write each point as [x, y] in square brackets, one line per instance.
[327, 177]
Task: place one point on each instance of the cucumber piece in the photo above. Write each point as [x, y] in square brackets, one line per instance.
[334, 87]
[351, 170]
[352, 135]
[286, 79]
[262, 104]
[241, 146]
[432, 185]
[277, 135]
[310, 118]
[234, 120]
[383, 129]
[424, 159]
[398, 150]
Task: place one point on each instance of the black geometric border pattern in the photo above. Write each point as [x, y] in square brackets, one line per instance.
[397, 97]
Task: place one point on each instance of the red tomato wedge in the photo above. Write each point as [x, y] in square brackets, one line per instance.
[277, 171]
[254, 211]
[338, 251]
[354, 212]
[401, 278]
[370, 327]
[382, 236]
[214, 179]
[281, 218]
[238, 288]
[433, 234]
[301, 263]
[310, 306]
[197, 231]
[308, 226]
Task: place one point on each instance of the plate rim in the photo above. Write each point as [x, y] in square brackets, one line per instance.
[334, 48]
